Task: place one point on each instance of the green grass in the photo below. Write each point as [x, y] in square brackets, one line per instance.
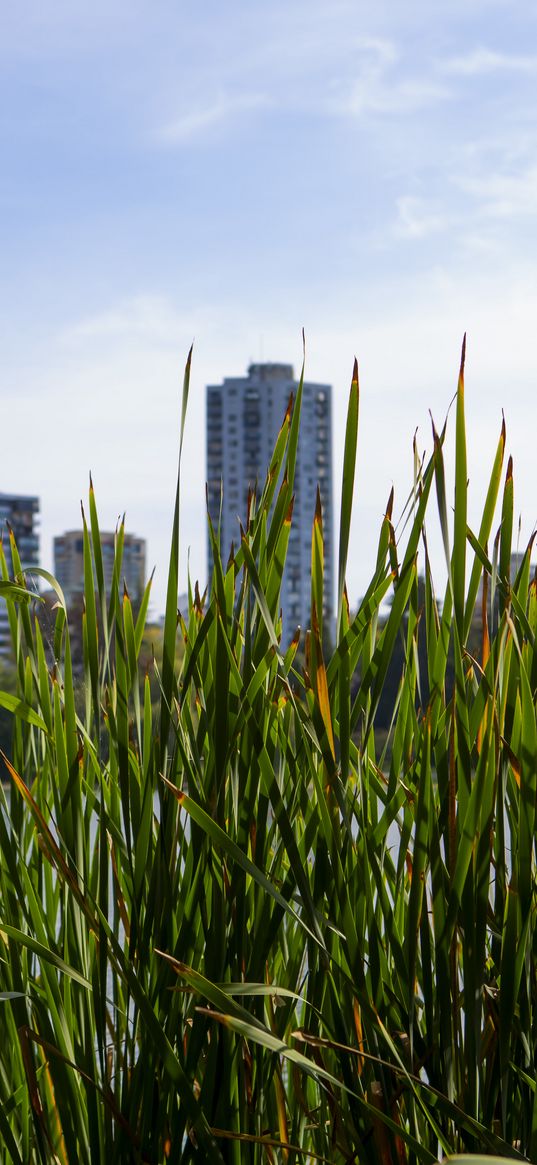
[233, 927]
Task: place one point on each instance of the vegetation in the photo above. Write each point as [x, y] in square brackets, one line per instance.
[8, 685]
[231, 928]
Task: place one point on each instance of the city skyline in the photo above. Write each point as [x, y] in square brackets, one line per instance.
[21, 513]
[366, 172]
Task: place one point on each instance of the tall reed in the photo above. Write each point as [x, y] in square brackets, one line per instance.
[238, 929]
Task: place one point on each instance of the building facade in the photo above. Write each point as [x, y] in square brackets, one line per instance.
[244, 416]
[19, 512]
[69, 562]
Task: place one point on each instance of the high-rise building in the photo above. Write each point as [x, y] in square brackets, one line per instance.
[20, 512]
[69, 562]
[244, 416]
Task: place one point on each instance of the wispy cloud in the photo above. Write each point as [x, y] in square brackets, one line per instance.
[417, 219]
[194, 123]
[507, 196]
[380, 85]
[489, 199]
[401, 97]
[150, 318]
[482, 61]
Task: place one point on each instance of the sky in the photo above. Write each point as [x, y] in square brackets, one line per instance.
[230, 174]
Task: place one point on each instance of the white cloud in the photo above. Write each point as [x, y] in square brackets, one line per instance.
[194, 123]
[482, 61]
[364, 75]
[504, 196]
[400, 97]
[417, 219]
[379, 87]
[150, 318]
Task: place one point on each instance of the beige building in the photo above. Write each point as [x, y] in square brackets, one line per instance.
[69, 562]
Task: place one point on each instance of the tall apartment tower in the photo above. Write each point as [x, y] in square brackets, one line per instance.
[244, 416]
[69, 562]
[21, 513]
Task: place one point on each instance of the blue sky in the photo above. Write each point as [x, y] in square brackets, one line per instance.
[229, 174]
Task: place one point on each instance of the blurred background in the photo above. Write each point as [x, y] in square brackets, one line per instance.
[230, 174]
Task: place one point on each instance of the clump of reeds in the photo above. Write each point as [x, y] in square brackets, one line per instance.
[232, 929]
